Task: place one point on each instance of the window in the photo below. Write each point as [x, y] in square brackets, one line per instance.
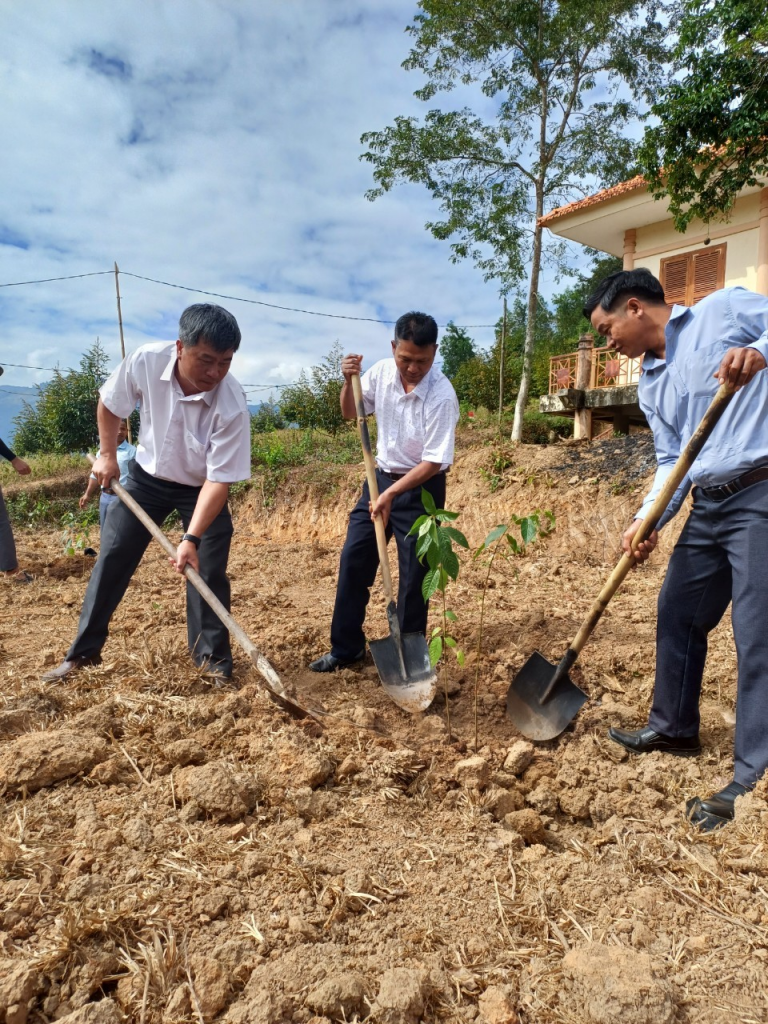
[687, 278]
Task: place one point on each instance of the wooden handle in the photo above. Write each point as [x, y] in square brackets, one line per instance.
[687, 457]
[373, 487]
[262, 664]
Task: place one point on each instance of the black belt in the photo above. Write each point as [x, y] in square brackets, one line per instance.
[399, 476]
[724, 491]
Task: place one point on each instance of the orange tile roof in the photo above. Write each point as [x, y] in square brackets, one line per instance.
[599, 197]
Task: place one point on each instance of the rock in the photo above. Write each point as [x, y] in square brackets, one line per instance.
[497, 1006]
[39, 759]
[519, 756]
[543, 799]
[312, 770]
[103, 1012]
[255, 864]
[314, 806]
[339, 996]
[259, 1004]
[349, 767]
[501, 802]
[179, 1006]
[527, 824]
[606, 984]
[302, 927]
[18, 983]
[138, 834]
[185, 752]
[576, 802]
[217, 790]
[472, 772]
[402, 995]
[101, 719]
[212, 986]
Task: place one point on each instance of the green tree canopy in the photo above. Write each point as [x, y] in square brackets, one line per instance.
[456, 348]
[563, 78]
[712, 137]
[63, 418]
[313, 401]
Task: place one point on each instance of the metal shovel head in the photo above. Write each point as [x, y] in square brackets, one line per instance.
[539, 720]
[415, 690]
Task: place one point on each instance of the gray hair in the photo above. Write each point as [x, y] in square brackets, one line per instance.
[206, 322]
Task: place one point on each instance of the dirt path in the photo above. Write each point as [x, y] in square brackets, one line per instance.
[169, 852]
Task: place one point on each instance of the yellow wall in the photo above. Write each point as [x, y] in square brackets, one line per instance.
[741, 251]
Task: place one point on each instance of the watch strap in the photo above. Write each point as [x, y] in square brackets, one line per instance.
[191, 537]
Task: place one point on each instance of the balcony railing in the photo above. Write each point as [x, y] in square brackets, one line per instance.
[607, 370]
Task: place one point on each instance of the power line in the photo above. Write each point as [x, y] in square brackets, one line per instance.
[46, 280]
[24, 366]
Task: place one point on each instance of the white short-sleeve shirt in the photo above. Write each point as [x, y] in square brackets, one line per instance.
[415, 426]
[186, 439]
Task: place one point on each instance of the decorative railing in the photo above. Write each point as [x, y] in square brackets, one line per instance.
[607, 369]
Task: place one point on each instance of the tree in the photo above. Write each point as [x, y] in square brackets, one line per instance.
[268, 417]
[314, 400]
[456, 347]
[63, 418]
[712, 136]
[565, 77]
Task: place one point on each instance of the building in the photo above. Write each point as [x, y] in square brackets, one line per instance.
[597, 387]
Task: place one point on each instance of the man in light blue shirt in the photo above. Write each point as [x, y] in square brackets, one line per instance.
[722, 553]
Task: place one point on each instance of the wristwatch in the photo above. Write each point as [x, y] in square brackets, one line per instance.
[191, 537]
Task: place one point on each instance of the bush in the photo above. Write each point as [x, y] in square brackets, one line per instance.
[538, 426]
[268, 418]
[313, 402]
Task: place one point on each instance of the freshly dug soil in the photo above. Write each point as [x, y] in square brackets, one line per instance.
[170, 852]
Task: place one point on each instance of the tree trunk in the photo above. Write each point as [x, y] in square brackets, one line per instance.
[530, 325]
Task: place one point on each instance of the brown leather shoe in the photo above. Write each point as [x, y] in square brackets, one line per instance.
[68, 667]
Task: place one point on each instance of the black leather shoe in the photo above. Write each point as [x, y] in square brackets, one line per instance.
[646, 740]
[717, 810]
[329, 663]
[68, 667]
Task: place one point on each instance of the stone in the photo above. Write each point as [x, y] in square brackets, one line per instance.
[185, 752]
[501, 802]
[103, 1012]
[212, 986]
[576, 802]
[604, 984]
[527, 824]
[401, 997]
[543, 799]
[472, 772]
[519, 756]
[217, 790]
[497, 1006]
[40, 759]
[301, 927]
[339, 996]
[18, 983]
[312, 770]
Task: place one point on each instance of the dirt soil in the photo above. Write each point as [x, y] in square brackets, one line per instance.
[172, 852]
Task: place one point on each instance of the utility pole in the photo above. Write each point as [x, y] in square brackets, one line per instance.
[122, 338]
[501, 361]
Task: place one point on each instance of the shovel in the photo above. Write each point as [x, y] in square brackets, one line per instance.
[401, 659]
[272, 683]
[542, 700]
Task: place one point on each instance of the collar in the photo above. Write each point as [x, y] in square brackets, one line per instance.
[422, 388]
[170, 375]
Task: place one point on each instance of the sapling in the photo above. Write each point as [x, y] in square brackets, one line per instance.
[435, 543]
[531, 526]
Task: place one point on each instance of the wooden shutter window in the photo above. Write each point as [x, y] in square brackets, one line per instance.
[688, 278]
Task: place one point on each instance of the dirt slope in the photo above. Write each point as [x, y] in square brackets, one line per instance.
[170, 852]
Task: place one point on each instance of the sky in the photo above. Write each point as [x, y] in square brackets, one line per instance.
[212, 144]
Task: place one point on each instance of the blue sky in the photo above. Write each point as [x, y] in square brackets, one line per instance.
[214, 144]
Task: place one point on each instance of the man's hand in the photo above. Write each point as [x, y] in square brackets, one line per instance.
[643, 551]
[105, 469]
[186, 554]
[739, 366]
[351, 365]
[82, 501]
[20, 466]
[382, 506]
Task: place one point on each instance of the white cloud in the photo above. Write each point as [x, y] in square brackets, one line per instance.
[214, 144]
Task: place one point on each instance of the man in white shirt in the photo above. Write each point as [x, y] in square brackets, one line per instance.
[416, 414]
[194, 441]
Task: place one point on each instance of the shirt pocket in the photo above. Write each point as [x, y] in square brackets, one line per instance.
[700, 367]
[196, 448]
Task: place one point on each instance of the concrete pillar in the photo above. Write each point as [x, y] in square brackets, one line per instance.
[630, 245]
[762, 245]
[620, 422]
[582, 421]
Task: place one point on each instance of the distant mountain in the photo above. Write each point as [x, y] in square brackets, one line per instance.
[11, 402]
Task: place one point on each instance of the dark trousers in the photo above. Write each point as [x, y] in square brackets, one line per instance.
[722, 555]
[124, 541]
[360, 560]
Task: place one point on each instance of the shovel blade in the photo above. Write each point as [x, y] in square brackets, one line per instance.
[534, 719]
[414, 691]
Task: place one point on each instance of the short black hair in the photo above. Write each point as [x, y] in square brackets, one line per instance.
[419, 328]
[206, 322]
[638, 283]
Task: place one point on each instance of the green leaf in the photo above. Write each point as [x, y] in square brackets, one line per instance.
[423, 546]
[435, 650]
[449, 641]
[528, 529]
[460, 658]
[437, 630]
[451, 564]
[446, 517]
[431, 583]
[455, 535]
[513, 544]
[428, 502]
[418, 525]
[451, 616]
[496, 532]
